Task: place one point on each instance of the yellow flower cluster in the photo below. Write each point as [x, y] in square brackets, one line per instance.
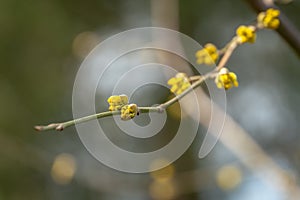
[269, 19]
[120, 102]
[246, 34]
[208, 55]
[226, 79]
[117, 102]
[129, 111]
[179, 83]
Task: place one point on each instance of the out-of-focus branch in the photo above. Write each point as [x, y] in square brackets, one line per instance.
[233, 137]
[287, 29]
[165, 18]
[257, 160]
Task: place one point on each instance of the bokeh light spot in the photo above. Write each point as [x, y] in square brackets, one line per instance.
[164, 174]
[162, 190]
[83, 43]
[229, 177]
[63, 168]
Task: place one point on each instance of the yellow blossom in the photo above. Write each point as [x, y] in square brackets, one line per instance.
[179, 83]
[116, 102]
[208, 55]
[226, 79]
[269, 19]
[129, 111]
[246, 34]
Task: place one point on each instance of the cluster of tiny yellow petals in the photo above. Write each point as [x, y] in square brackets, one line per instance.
[246, 34]
[179, 83]
[129, 111]
[269, 19]
[226, 79]
[208, 55]
[117, 102]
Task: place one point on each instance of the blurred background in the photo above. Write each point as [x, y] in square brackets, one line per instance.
[42, 46]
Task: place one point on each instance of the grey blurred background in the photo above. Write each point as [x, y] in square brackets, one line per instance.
[42, 46]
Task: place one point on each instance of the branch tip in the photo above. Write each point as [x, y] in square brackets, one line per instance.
[59, 127]
[38, 128]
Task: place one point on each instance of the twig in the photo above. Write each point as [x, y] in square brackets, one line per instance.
[226, 51]
[160, 108]
[184, 93]
[229, 50]
[62, 125]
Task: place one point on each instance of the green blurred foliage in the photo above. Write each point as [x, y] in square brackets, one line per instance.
[38, 68]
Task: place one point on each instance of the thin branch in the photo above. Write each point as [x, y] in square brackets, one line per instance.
[62, 125]
[227, 51]
[184, 93]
